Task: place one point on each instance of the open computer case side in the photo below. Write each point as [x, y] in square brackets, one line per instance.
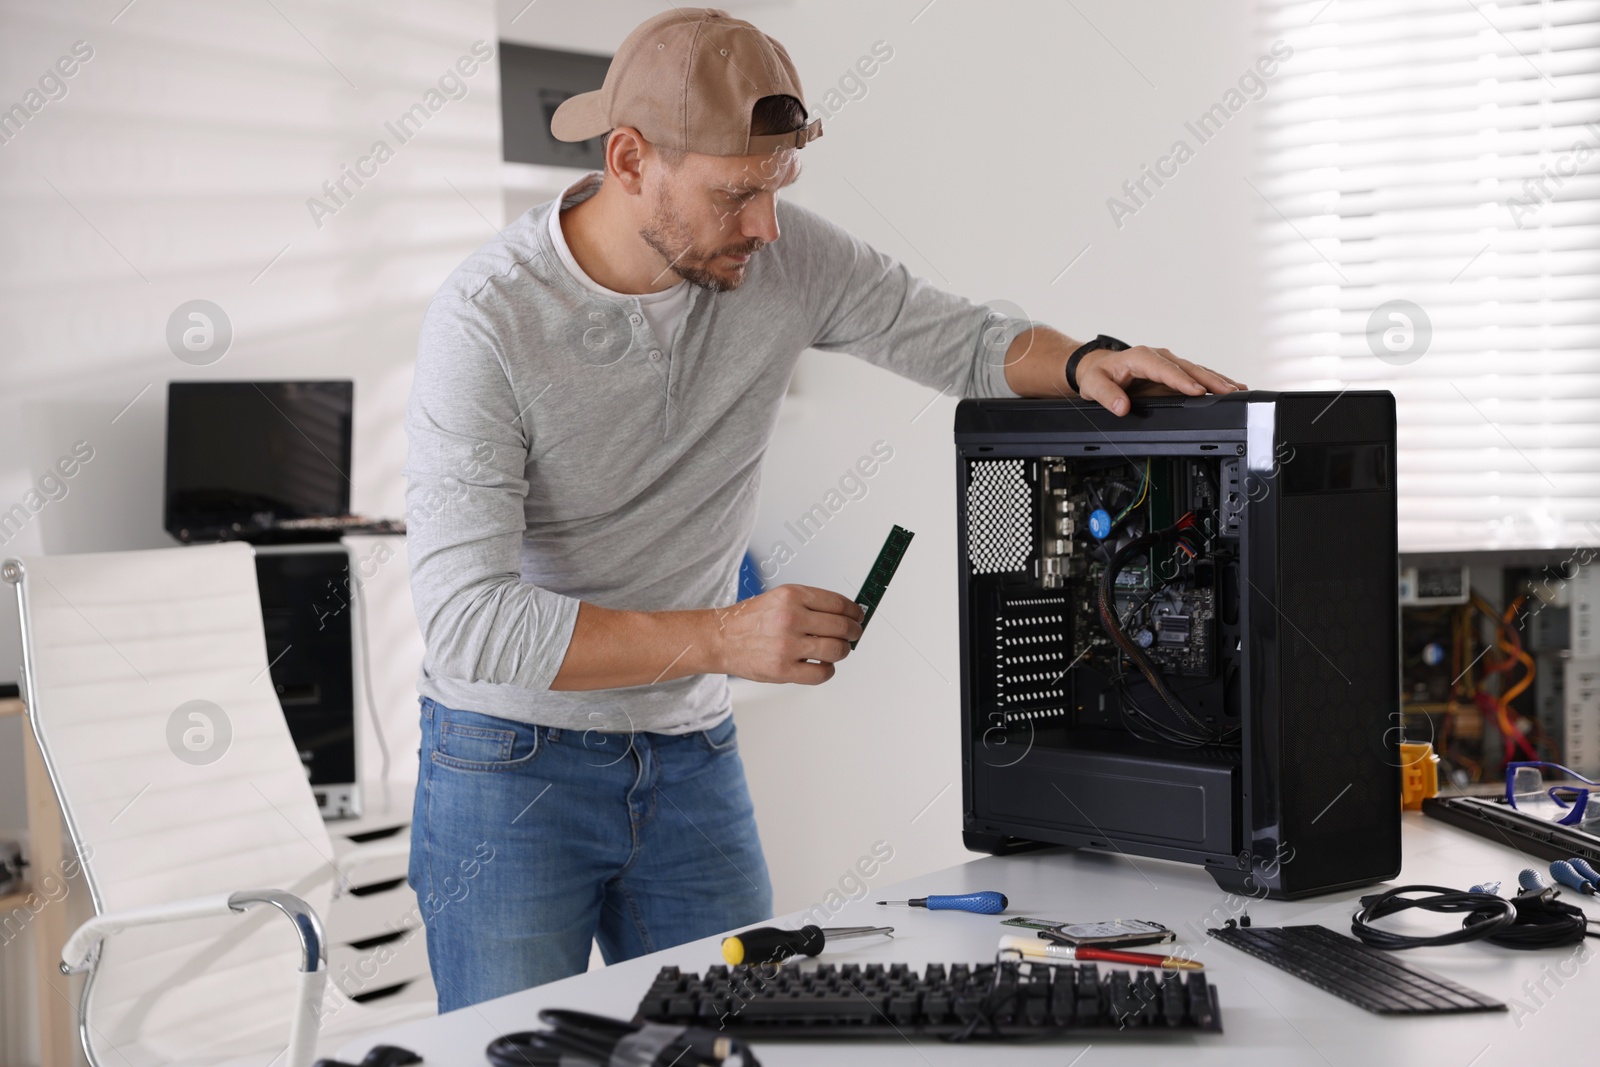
[1308, 802]
[1023, 788]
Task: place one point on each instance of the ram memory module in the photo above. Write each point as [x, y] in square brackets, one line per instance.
[883, 568]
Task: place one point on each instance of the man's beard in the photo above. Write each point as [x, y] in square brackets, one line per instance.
[666, 233]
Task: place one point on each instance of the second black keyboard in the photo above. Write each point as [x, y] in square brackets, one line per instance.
[1367, 977]
[980, 1001]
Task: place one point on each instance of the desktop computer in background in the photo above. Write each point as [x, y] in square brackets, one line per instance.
[307, 604]
[268, 462]
[1179, 633]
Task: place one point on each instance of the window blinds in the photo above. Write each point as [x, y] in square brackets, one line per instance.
[1430, 209]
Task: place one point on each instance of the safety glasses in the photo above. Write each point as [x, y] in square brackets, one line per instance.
[1562, 803]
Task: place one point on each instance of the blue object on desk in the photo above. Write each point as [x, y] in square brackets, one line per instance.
[987, 903]
[1567, 875]
[1581, 865]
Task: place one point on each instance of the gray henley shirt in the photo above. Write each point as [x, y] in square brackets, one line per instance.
[557, 455]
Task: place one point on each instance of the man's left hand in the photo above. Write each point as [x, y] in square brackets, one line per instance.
[1036, 365]
[1108, 377]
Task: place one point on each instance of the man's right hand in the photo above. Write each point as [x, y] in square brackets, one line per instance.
[793, 633]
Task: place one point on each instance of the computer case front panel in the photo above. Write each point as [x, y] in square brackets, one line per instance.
[1323, 615]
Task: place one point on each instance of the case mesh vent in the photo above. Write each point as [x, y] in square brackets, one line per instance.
[999, 516]
[1030, 661]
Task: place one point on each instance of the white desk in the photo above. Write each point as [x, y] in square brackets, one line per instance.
[1268, 1016]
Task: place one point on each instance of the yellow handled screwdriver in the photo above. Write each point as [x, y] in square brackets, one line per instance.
[769, 944]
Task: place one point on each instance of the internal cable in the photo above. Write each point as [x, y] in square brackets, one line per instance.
[1145, 727]
[1499, 707]
[1197, 734]
[1144, 491]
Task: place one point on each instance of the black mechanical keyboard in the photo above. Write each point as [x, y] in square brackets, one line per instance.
[1367, 977]
[1009, 999]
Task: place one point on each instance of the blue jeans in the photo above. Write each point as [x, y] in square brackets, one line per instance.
[528, 843]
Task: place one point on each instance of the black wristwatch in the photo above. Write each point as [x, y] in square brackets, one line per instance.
[1105, 341]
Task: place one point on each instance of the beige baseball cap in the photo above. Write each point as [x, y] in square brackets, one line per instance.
[688, 79]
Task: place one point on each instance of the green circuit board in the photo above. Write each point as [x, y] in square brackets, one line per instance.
[883, 568]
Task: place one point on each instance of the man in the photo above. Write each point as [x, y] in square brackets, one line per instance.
[594, 392]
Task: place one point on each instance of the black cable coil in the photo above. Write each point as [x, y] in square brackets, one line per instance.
[1528, 921]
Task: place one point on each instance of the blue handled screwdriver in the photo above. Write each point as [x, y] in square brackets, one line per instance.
[1582, 867]
[1567, 875]
[1529, 880]
[985, 903]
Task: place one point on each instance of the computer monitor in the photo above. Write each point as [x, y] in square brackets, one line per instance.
[1179, 633]
[245, 457]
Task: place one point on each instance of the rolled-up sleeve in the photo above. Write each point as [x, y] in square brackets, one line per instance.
[869, 305]
[466, 487]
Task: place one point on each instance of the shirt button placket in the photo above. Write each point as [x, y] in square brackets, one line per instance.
[666, 389]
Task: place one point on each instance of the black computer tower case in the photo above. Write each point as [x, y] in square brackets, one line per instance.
[307, 611]
[1264, 605]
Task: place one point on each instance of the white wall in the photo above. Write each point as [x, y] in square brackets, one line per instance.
[178, 166]
[982, 154]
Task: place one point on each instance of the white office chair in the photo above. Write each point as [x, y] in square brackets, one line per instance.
[187, 816]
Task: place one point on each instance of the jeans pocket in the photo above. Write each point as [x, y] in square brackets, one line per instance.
[721, 738]
[469, 741]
